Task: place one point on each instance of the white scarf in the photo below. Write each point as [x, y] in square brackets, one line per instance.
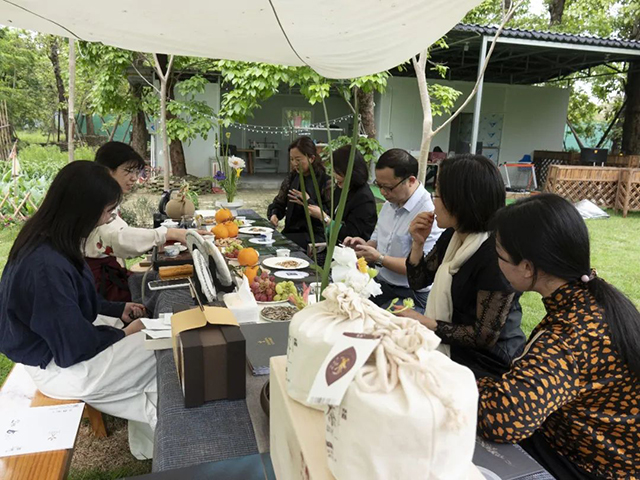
[439, 302]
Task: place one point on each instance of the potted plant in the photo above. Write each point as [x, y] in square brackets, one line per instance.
[228, 176]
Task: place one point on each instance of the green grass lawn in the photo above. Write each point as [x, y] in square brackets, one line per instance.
[27, 137]
[615, 253]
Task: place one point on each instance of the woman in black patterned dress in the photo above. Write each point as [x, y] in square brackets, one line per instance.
[573, 399]
[471, 306]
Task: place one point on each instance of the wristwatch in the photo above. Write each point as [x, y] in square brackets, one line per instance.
[380, 260]
[327, 219]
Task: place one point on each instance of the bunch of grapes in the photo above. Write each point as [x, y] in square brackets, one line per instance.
[284, 290]
[232, 250]
[264, 288]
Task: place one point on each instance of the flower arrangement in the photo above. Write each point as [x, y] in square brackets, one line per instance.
[230, 169]
[354, 272]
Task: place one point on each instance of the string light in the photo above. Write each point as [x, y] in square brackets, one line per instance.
[274, 130]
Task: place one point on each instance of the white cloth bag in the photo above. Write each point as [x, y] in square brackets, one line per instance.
[410, 413]
[315, 329]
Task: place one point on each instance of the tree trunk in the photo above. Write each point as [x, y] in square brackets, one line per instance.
[631, 127]
[163, 126]
[139, 133]
[366, 111]
[556, 10]
[178, 163]
[575, 134]
[427, 119]
[112, 134]
[54, 57]
[91, 130]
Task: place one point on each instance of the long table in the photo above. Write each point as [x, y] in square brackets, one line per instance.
[216, 430]
[222, 429]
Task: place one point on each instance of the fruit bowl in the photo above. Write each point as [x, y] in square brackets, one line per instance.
[267, 292]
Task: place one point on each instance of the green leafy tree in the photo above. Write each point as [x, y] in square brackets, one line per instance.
[250, 84]
[26, 80]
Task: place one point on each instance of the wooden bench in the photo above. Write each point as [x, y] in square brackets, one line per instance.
[19, 391]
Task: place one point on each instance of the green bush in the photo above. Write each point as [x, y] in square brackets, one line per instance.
[38, 166]
[39, 161]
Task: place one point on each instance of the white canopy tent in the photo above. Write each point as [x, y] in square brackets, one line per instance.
[337, 38]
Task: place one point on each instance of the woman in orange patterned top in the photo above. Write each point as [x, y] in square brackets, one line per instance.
[572, 400]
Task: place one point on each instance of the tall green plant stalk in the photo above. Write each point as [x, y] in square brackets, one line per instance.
[326, 119]
[305, 204]
[316, 187]
[333, 235]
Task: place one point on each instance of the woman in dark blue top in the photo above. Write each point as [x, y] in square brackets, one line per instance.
[52, 321]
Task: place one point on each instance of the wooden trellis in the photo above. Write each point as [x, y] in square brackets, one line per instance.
[575, 183]
[628, 198]
[607, 187]
[5, 132]
[17, 206]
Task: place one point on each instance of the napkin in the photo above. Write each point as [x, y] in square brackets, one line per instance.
[242, 303]
[244, 293]
[157, 333]
[155, 324]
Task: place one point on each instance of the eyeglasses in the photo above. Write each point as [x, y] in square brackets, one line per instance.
[390, 189]
[137, 171]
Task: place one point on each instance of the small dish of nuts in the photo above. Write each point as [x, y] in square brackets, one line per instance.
[282, 313]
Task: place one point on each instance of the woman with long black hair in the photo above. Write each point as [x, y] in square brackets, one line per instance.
[72, 342]
[360, 214]
[572, 399]
[287, 204]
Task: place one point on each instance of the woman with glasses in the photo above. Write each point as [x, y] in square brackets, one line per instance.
[360, 215]
[117, 240]
[288, 203]
[471, 306]
[72, 342]
[572, 400]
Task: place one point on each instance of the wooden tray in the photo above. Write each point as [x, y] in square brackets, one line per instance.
[159, 259]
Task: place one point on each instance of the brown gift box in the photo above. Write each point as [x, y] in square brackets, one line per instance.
[209, 350]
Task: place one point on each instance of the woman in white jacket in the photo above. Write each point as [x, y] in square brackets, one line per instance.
[117, 240]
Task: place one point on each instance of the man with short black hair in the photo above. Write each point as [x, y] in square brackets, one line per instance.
[390, 244]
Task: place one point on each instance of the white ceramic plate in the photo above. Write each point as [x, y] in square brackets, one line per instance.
[246, 223]
[279, 263]
[261, 241]
[255, 230]
[291, 274]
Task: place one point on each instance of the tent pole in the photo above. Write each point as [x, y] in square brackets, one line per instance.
[72, 96]
[478, 99]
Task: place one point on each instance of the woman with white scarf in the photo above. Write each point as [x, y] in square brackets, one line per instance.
[471, 306]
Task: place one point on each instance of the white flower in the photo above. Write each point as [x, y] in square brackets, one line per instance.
[345, 256]
[236, 162]
[345, 270]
